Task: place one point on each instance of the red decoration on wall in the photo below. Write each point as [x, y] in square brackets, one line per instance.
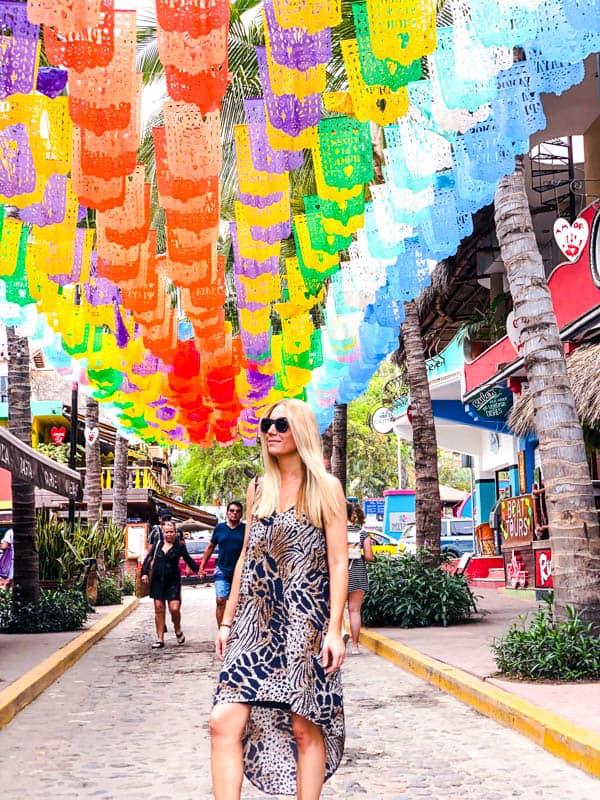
[58, 435]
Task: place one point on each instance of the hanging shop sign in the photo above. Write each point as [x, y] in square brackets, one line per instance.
[494, 403]
[543, 568]
[26, 464]
[380, 420]
[516, 521]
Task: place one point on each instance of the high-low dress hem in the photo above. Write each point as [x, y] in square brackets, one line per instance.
[272, 660]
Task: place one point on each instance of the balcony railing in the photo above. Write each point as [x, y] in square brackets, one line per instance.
[137, 478]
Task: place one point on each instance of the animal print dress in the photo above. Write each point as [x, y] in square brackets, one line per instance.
[272, 660]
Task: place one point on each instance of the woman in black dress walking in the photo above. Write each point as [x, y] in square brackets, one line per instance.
[278, 715]
[165, 586]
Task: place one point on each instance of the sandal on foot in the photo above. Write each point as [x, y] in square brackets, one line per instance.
[180, 637]
[157, 645]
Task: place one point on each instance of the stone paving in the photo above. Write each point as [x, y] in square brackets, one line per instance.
[129, 723]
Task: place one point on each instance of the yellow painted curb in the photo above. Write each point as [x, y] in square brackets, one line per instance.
[562, 738]
[22, 691]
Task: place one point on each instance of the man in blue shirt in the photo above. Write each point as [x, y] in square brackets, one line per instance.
[228, 537]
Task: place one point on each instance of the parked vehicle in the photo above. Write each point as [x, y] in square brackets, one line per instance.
[196, 548]
[382, 542]
[456, 538]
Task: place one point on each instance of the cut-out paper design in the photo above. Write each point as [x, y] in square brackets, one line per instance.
[19, 46]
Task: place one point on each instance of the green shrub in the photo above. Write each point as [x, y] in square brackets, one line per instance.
[562, 651]
[62, 551]
[109, 593]
[408, 592]
[57, 611]
[128, 587]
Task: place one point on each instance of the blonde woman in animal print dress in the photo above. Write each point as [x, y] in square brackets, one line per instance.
[278, 715]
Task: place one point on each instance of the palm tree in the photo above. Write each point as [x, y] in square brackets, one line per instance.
[572, 517]
[339, 443]
[119, 512]
[427, 501]
[26, 563]
[93, 469]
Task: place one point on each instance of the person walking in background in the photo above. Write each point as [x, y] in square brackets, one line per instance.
[278, 714]
[165, 584]
[228, 538]
[7, 559]
[359, 552]
[157, 531]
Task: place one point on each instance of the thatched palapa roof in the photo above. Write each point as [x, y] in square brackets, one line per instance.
[584, 373]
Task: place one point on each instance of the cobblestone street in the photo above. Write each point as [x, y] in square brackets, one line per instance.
[130, 723]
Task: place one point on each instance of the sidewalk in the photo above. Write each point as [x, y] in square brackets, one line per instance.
[468, 647]
[562, 717]
[29, 663]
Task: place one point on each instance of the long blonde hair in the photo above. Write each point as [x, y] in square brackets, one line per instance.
[317, 498]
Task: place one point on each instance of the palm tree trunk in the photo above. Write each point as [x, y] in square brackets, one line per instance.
[119, 513]
[572, 517]
[93, 469]
[26, 561]
[427, 500]
[339, 443]
[327, 438]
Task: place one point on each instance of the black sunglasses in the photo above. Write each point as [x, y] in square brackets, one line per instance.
[281, 424]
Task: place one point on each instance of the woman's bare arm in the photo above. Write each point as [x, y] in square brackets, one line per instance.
[337, 561]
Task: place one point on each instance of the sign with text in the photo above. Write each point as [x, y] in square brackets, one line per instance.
[516, 521]
[26, 464]
[494, 403]
[374, 507]
[543, 568]
[136, 536]
[400, 519]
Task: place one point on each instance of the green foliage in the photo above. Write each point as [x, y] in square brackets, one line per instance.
[109, 593]
[62, 551]
[128, 587]
[57, 611]
[373, 457]
[217, 471]
[561, 651]
[450, 471]
[58, 452]
[409, 593]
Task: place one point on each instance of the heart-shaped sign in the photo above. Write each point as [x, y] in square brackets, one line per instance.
[513, 331]
[571, 238]
[58, 435]
[91, 435]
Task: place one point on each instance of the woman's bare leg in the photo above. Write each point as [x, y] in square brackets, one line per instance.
[311, 758]
[354, 604]
[159, 619]
[227, 723]
[175, 612]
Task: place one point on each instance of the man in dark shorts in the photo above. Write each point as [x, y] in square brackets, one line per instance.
[228, 537]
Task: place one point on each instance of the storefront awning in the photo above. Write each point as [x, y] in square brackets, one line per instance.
[181, 511]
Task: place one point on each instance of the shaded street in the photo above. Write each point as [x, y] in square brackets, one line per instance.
[129, 723]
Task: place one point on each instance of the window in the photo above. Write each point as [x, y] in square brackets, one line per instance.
[3, 389]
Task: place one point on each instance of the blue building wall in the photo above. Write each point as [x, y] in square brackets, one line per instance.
[485, 494]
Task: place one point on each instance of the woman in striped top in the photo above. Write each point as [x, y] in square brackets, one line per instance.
[359, 552]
